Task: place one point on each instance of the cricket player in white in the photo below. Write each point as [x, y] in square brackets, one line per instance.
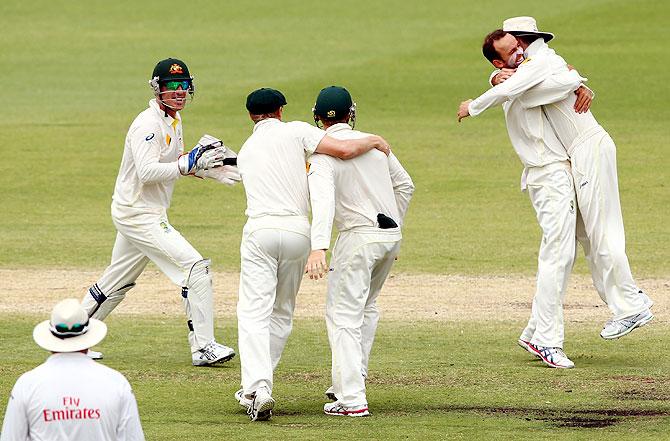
[550, 187]
[152, 162]
[367, 197]
[71, 397]
[593, 158]
[276, 237]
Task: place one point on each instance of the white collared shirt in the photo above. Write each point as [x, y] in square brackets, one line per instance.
[71, 397]
[149, 165]
[354, 191]
[273, 167]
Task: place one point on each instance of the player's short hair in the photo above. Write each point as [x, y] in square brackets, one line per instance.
[488, 50]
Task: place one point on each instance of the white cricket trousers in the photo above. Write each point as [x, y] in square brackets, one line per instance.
[361, 261]
[595, 176]
[143, 235]
[552, 194]
[273, 253]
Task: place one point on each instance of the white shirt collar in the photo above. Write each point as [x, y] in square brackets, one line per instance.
[338, 127]
[67, 356]
[265, 122]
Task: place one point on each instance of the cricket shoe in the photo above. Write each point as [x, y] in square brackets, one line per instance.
[618, 328]
[95, 355]
[525, 344]
[243, 400]
[552, 357]
[330, 394]
[213, 352]
[261, 405]
[339, 409]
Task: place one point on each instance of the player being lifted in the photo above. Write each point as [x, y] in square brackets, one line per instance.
[152, 162]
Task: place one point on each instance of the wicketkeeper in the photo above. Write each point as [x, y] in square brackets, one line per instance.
[153, 160]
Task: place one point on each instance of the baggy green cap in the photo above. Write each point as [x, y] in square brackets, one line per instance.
[265, 100]
[333, 102]
[171, 69]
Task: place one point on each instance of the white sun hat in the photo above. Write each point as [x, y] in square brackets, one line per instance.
[519, 26]
[70, 329]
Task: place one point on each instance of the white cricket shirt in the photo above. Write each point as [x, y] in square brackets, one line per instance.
[149, 165]
[354, 191]
[71, 397]
[273, 167]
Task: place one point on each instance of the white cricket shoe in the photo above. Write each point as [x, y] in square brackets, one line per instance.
[95, 355]
[552, 357]
[213, 352]
[243, 400]
[261, 406]
[618, 328]
[330, 394]
[526, 345]
[339, 409]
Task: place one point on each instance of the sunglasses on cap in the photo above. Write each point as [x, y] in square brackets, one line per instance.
[62, 330]
[174, 85]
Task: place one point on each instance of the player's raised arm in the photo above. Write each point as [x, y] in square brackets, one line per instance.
[555, 88]
[503, 50]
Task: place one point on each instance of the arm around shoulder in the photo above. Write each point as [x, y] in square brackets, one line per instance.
[351, 148]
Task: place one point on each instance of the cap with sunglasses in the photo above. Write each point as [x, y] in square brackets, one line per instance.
[69, 329]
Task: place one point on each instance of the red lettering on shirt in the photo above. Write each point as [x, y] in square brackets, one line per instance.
[51, 415]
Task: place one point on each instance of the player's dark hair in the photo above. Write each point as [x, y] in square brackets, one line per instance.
[487, 47]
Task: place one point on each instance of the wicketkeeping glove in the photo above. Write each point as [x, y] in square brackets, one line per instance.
[203, 155]
[226, 174]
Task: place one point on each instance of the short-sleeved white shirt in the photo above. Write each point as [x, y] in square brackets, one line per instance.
[273, 167]
[148, 168]
[71, 397]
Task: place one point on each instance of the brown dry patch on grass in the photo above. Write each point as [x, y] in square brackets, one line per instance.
[405, 296]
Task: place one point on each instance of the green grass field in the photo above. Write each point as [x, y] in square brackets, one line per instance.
[427, 382]
[77, 75]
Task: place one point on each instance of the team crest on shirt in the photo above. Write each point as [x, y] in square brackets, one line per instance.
[176, 69]
[165, 226]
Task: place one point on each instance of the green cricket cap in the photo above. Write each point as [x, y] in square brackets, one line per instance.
[171, 69]
[265, 100]
[333, 102]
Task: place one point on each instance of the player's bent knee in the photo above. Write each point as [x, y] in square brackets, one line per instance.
[199, 282]
[199, 274]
